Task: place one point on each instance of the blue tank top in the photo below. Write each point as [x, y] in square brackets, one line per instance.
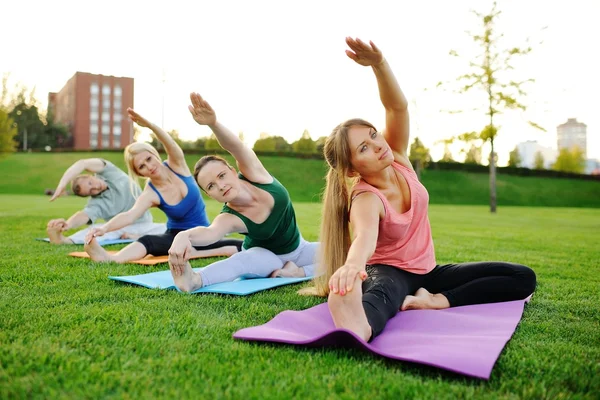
[190, 211]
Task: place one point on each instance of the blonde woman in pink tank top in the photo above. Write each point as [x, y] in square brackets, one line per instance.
[389, 262]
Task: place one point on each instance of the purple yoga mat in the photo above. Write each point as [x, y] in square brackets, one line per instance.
[466, 340]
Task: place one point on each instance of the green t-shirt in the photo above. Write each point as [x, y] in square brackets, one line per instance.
[116, 199]
[279, 233]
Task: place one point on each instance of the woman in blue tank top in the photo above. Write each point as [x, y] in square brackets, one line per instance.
[171, 188]
[255, 204]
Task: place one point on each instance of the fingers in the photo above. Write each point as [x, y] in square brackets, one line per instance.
[357, 44]
[196, 99]
[375, 48]
[56, 224]
[342, 281]
[334, 282]
[93, 233]
[178, 259]
[363, 275]
[352, 55]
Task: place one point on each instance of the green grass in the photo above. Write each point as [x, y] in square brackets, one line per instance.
[33, 173]
[66, 331]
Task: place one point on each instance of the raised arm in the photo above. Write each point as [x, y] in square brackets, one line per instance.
[247, 161]
[175, 155]
[393, 100]
[87, 164]
[181, 248]
[142, 204]
[366, 211]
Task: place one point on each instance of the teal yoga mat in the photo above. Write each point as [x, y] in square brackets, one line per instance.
[239, 287]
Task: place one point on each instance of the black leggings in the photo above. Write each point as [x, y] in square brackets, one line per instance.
[386, 287]
[159, 245]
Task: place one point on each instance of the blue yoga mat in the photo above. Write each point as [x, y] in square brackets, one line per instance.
[240, 287]
[100, 242]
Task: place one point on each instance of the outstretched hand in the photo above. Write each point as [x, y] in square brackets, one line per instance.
[59, 225]
[179, 254]
[59, 191]
[201, 110]
[93, 233]
[138, 119]
[342, 281]
[363, 53]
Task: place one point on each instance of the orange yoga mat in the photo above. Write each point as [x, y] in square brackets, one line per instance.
[148, 260]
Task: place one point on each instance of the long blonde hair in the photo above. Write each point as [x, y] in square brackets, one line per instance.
[335, 224]
[131, 151]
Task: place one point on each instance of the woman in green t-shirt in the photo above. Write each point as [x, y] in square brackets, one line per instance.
[255, 204]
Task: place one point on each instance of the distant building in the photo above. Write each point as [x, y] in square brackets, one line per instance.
[570, 134]
[94, 108]
[529, 149]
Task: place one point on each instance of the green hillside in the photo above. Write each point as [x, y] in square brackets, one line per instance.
[34, 172]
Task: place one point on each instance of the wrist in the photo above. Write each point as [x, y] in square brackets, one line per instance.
[182, 236]
[380, 65]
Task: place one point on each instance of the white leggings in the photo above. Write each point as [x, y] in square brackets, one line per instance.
[141, 229]
[259, 263]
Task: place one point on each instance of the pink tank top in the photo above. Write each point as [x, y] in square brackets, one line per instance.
[404, 240]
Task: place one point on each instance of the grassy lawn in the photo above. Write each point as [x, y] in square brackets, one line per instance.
[67, 331]
[304, 179]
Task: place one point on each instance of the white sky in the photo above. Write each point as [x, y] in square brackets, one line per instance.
[279, 66]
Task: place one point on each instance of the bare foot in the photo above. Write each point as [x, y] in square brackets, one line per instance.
[348, 313]
[131, 236]
[55, 235]
[289, 270]
[189, 280]
[96, 252]
[423, 300]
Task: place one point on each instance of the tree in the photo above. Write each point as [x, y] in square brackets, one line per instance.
[12, 95]
[200, 143]
[514, 158]
[538, 162]
[8, 131]
[212, 143]
[472, 147]
[570, 160]
[264, 144]
[488, 75]
[305, 144]
[57, 135]
[320, 143]
[447, 157]
[30, 128]
[281, 145]
[473, 155]
[419, 156]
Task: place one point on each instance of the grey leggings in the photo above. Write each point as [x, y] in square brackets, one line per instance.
[259, 263]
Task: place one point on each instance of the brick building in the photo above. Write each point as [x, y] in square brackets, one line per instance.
[94, 108]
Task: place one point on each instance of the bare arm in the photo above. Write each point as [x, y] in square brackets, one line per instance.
[247, 161]
[142, 204]
[175, 155]
[180, 250]
[365, 213]
[222, 225]
[393, 100]
[88, 164]
[76, 220]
